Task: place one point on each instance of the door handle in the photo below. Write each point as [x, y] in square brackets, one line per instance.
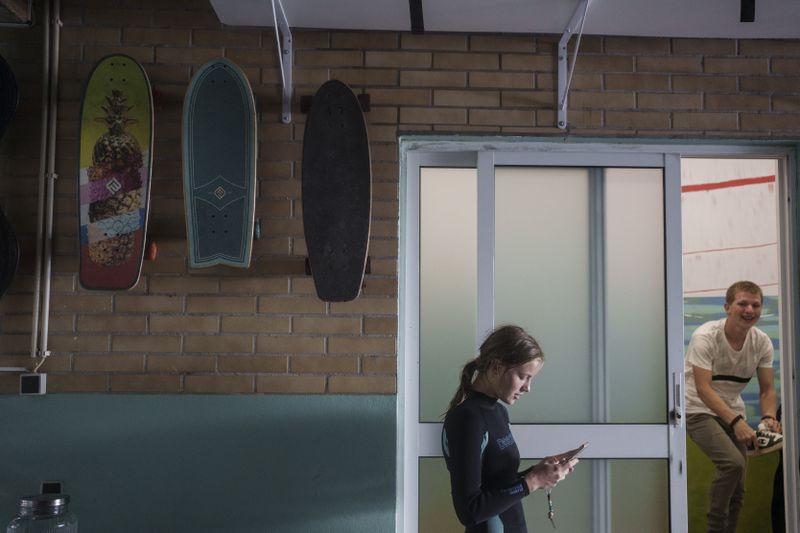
[676, 414]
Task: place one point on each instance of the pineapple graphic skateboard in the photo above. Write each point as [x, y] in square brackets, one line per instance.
[9, 247]
[116, 142]
[219, 166]
[337, 192]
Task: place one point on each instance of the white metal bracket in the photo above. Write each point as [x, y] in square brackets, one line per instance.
[565, 78]
[283, 36]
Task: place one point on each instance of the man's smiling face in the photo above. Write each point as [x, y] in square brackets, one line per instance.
[745, 310]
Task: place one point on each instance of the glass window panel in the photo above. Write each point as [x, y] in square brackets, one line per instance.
[635, 307]
[448, 283]
[638, 497]
[542, 282]
[547, 239]
[436, 514]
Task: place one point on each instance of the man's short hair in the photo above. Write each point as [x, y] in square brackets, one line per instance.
[743, 286]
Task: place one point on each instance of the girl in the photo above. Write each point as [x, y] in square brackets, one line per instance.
[478, 446]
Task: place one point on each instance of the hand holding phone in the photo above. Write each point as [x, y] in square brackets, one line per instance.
[547, 473]
[567, 456]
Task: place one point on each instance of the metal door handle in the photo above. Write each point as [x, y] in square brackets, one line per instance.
[676, 415]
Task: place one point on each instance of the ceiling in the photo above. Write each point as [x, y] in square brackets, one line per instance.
[656, 18]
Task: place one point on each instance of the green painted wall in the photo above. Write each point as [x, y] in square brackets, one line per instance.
[175, 463]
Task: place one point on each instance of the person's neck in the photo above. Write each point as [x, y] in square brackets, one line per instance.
[482, 385]
[735, 335]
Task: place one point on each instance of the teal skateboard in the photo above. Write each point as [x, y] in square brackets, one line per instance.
[219, 166]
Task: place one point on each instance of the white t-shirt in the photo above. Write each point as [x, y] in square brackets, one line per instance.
[730, 370]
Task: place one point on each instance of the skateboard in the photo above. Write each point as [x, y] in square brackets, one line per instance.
[9, 247]
[219, 166]
[336, 192]
[116, 145]
[9, 254]
[9, 95]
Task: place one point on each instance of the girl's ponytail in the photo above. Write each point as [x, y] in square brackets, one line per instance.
[465, 383]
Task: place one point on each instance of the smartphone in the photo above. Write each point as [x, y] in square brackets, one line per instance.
[567, 456]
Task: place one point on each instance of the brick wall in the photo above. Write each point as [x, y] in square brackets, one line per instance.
[262, 330]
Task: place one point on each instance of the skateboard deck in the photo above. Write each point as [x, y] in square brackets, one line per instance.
[336, 192]
[9, 254]
[219, 166]
[9, 247]
[116, 144]
[8, 95]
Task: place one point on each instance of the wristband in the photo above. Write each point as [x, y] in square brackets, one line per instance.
[767, 417]
[736, 418]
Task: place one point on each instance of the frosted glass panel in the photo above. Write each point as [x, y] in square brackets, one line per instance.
[448, 283]
[436, 514]
[635, 318]
[542, 282]
[644, 487]
[638, 497]
[579, 262]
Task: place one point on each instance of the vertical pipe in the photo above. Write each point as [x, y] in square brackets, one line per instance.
[51, 175]
[37, 288]
[44, 224]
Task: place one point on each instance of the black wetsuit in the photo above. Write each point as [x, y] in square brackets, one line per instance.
[483, 461]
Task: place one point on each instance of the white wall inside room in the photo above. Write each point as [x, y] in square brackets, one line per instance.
[730, 230]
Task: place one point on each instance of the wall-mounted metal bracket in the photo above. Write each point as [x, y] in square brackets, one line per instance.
[576, 22]
[16, 13]
[283, 36]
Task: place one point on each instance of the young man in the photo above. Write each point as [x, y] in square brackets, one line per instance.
[722, 357]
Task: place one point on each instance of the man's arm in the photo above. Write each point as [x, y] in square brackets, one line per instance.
[702, 380]
[767, 397]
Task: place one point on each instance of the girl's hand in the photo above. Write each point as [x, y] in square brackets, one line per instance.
[548, 472]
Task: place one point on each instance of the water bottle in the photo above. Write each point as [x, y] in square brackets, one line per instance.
[44, 513]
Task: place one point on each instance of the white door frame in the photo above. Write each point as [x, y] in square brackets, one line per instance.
[423, 440]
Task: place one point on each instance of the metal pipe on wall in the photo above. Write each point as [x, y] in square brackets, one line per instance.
[37, 275]
[51, 175]
[44, 226]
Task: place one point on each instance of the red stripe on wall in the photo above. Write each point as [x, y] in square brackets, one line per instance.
[727, 184]
[748, 247]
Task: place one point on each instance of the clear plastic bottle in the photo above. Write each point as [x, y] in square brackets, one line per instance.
[44, 513]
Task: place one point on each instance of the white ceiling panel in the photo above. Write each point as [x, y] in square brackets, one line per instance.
[325, 14]
[656, 18]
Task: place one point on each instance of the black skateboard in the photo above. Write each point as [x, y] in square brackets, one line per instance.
[9, 247]
[336, 192]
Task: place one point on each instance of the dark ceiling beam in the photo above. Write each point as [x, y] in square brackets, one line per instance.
[417, 22]
[748, 11]
[18, 9]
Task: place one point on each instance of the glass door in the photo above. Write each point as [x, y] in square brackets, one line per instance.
[583, 250]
